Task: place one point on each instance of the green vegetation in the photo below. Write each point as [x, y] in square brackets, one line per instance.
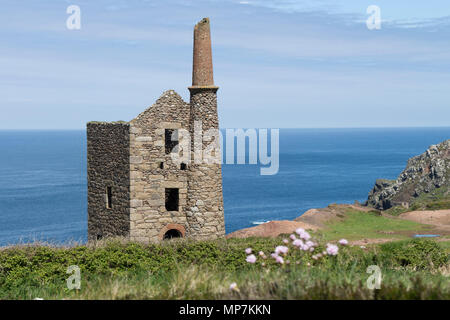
[358, 224]
[414, 269]
[438, 199]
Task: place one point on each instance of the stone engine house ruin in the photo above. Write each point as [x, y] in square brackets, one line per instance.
[135, 189]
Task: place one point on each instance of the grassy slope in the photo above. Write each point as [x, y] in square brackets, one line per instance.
[360, 225]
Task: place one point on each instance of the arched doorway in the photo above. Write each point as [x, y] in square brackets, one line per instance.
[172, 231]
[171, 234]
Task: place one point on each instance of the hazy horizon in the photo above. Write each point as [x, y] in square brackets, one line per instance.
[223, 128]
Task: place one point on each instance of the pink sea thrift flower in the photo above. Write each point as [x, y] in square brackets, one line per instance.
[251, 258]
[303, 234]
[274, 255]
[281, 249]
[285, 241]
[234, 287]
[297, 243]
[343, 242]
[248, 250]
[310, 244]
[261, 253]
[332, 249]
[279, 260]
[293, 237]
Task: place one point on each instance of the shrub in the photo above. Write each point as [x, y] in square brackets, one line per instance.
[417, 254]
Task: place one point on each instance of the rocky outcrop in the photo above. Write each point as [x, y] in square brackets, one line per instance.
[423, 174]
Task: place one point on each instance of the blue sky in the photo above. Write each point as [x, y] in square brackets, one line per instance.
[278, 63]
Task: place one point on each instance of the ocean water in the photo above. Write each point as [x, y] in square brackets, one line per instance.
[43, 177]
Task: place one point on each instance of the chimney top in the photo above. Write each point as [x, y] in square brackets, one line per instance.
[202, 68]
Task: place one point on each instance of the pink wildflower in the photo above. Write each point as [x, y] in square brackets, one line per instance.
[248, 250]
[279, 259]
[343, 242]
[293, 237]
[251, 258]
[305, 236]
[297, 243]
[332, 249]
[285, 241]
[261, 253]
[281, 249]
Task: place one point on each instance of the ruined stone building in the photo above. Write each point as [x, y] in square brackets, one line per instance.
[135, 188]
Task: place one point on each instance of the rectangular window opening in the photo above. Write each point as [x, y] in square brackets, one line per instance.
[172, 199]
[171, 139]
[108, 197]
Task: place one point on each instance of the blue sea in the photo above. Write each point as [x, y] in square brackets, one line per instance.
[43, 177]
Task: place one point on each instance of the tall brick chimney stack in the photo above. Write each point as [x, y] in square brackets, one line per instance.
[202, 69]
[204, 213]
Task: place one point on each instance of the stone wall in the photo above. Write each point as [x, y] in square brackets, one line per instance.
[108, 155]
[148, 214]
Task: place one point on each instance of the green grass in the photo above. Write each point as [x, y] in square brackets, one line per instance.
[438, 199]
[414, 269]
[358, 225]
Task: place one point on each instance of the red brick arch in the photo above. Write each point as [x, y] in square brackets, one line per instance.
[172, 226]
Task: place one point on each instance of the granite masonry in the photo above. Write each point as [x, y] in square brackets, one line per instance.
[135, 187]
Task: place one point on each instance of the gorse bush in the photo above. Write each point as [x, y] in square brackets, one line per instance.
[417, 254]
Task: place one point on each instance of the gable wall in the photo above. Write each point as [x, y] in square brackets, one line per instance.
[148, 215]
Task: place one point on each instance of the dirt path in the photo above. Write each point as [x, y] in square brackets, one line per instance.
[438, 218]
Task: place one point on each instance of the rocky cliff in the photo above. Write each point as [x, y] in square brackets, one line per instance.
[423, 174]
